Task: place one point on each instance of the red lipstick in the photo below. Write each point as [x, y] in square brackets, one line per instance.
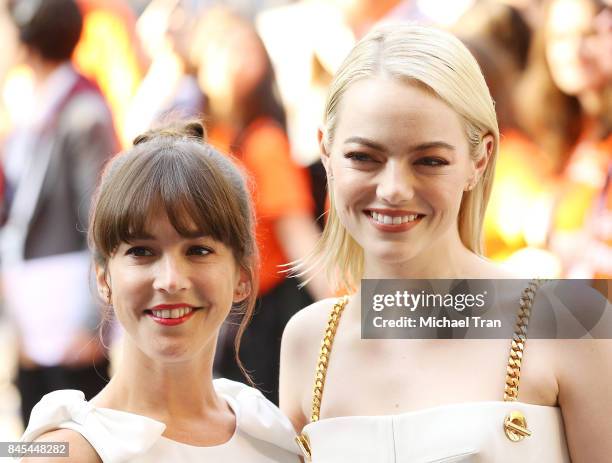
[170, 321]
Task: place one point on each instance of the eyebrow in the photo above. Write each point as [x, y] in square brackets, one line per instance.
[420, 147]
[365, 142]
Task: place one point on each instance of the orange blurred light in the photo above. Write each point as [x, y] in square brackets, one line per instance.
[105, 54]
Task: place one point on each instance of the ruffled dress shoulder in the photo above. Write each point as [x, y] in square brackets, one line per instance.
[263, 434]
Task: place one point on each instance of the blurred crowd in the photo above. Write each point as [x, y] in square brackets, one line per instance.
[80, 80]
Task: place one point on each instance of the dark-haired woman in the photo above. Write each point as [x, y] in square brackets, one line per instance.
[174, 253]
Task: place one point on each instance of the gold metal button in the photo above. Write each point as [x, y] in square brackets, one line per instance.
[515, 426]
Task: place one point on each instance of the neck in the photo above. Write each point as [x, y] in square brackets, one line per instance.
[597, 116]
[42, 69]
[446, 258]
[162, 389]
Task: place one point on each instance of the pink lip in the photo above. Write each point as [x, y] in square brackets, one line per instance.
[398, 228]
[170, 321]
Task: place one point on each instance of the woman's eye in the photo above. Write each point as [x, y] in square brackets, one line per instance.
[199, 251]
[432, 162]
[359, 157]
[139, 251]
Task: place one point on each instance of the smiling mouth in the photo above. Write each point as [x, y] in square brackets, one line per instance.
[383, 219]
[171, 313]
[171, 317]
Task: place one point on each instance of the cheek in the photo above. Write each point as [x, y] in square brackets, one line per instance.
[347, 187]
[348, 184]
[444, 195]
[127, 288]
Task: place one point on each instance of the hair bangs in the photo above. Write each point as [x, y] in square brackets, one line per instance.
[166, 181]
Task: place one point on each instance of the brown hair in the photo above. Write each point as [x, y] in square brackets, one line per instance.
[175, 169]
[51, 27]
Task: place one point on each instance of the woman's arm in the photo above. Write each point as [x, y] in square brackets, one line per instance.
[585, 379]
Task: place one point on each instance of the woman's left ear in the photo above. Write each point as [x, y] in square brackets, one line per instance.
[243, 288]
[488, 144]
[102, 283]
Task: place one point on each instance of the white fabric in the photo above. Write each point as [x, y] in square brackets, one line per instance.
[459, 433]
[263, 434]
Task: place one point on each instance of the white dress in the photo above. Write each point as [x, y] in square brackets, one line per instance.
[459, 433]
[472, 432]
[263, 434]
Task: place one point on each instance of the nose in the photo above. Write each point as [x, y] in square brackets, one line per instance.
[396, 184]
[171, 275]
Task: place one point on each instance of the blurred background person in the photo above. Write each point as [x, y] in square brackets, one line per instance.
[517, 219]
[52, 160]
[567, 106]
[166, 28]
[245, 117]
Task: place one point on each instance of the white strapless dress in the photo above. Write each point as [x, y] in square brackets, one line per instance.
[466, 432]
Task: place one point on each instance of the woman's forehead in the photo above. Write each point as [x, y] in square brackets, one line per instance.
[182, 221]
[388, 109]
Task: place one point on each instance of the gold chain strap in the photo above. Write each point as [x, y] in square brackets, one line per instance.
[319, 383]
[326, 346]
[517, 346]
[515, 424]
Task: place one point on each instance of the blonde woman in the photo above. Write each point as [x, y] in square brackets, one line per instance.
[409, 143]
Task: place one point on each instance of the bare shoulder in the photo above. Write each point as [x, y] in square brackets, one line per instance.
[299, 352]
[586, 365]
[80, 450]
[310, 322]
[581, 317]
[304, 331]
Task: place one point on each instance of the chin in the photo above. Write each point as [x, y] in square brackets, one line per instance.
[169, 351]
[394, 253]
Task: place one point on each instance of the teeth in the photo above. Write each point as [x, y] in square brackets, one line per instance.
[388, 220]
[172, 313]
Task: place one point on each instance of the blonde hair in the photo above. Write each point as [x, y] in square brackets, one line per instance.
[439, 62]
